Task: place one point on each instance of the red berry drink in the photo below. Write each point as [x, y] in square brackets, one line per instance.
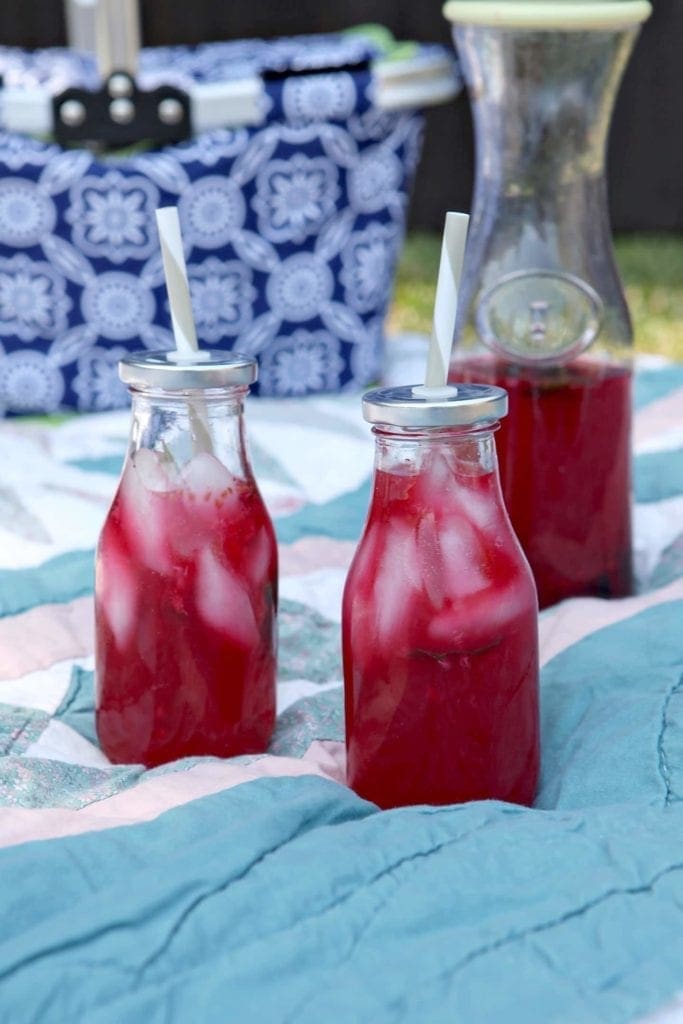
[185, 605]
[440, 631]
[564, 454]
[186, 573]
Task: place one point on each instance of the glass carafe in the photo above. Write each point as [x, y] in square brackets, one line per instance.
[186, 573]
[541, 308]
[439, 616]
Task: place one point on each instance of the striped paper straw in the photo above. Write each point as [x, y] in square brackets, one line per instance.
[177, 284]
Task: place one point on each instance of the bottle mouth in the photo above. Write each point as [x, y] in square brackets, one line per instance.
[464, 405]
[561, 15]
[170, 372]
[441, 434]
[209, 397]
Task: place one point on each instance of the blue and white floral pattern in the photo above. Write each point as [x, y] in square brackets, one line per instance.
[367, 358]
[117, 305]
[33, 299]
[295, 197]
[220, 62]
[291, 228]
[27, 213]
[211, 147]
[97, 382]
[299, 286]
[301, 362]
[222, 298]
[372, 125]
[18, 152]
[113, 216]
[211, 210]
[29, 381]
[319, 97]
[375, 179]
[368, 266]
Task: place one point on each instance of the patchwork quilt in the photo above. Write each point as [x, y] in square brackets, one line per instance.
[261, 887]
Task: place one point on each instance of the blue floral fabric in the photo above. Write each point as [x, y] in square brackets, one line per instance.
[292, 229]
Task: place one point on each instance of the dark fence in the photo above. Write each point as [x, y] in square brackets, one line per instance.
[646, 146]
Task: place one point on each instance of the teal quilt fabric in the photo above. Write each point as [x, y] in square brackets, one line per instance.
[263, 888]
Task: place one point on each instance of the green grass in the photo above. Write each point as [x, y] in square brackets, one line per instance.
[651, 267]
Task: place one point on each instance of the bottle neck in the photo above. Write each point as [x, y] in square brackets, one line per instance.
[542, 100]
[181, 425]
[441, 458]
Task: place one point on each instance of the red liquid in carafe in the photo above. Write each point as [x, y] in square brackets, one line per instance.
[564, 452]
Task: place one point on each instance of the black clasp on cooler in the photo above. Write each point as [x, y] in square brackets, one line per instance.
[120, 114]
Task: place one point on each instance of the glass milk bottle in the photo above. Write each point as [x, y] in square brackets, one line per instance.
[541, 309]
[186, 574]
[439, 618]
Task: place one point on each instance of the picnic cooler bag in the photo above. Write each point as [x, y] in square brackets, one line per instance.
[292, 191]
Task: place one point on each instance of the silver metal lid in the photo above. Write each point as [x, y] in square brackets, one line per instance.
[166, 370]
[460, 405]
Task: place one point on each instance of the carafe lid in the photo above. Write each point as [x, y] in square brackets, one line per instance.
[460, 405]
[207, 368]
[561, 15]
